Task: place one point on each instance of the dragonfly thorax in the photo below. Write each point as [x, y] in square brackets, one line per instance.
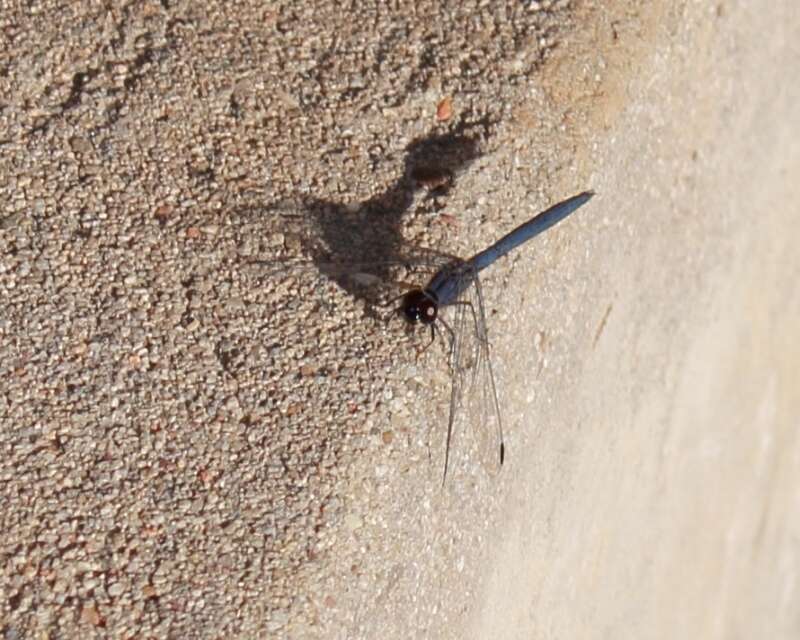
[419, 306]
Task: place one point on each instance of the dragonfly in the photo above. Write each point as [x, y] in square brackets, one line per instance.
[447, 288]
[456, 285]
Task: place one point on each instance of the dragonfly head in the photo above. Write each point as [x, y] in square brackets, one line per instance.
[419, 306]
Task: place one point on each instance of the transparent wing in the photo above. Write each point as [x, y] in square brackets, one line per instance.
[296, 238]
[306, 263]
[474, 423]
[474, 407]
[489, 426]
[376, 282]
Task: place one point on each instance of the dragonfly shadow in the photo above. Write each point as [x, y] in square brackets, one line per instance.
[370, 232]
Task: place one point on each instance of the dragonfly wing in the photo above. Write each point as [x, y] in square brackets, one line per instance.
[458, 377]
[376, 281]
[489, 426]
[474, 408]
[474, 416]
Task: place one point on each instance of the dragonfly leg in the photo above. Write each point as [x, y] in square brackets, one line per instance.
[451, 336]
[425, 348]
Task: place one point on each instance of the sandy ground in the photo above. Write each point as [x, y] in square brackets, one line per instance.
[196, 448]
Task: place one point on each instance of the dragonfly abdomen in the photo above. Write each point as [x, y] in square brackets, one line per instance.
[528, 230]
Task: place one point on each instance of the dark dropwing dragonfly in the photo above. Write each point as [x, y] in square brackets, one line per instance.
[448, 286]
[456, 285]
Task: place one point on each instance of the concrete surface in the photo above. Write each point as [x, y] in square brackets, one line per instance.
[194, 448]
[658, 495]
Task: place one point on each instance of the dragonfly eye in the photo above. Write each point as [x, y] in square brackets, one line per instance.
[419, 306]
